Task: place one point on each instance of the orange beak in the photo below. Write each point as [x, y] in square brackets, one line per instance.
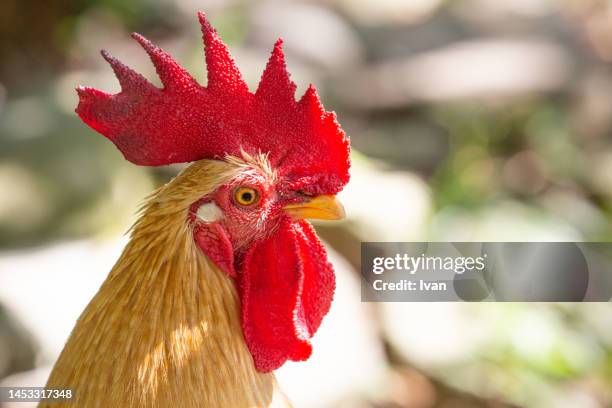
[323, 207]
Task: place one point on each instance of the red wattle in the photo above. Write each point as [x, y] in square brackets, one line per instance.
[286, 288]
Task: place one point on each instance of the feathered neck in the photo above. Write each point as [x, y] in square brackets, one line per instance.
[164, 329]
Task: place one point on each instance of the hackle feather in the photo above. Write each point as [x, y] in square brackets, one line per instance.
[164, 329]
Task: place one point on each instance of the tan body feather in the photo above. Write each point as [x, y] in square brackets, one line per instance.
[164, 329]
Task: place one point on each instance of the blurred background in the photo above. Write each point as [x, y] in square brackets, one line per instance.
[471, 120]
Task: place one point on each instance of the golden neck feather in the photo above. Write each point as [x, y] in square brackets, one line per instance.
[164, 329]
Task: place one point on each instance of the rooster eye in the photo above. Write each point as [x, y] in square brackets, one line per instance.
[246, 196]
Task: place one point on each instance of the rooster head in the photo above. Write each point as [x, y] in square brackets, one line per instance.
[286, 161]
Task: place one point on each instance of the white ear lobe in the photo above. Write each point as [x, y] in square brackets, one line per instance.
[209, 212]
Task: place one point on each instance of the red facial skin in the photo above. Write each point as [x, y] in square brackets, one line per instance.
[240, 225]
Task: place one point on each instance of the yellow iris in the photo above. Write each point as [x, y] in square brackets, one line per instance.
[245, 196]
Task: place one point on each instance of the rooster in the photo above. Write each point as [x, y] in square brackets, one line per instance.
[223, 279]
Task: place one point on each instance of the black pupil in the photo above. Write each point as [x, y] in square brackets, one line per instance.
[247, 196]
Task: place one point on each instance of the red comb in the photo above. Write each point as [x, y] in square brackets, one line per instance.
[185, 121]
